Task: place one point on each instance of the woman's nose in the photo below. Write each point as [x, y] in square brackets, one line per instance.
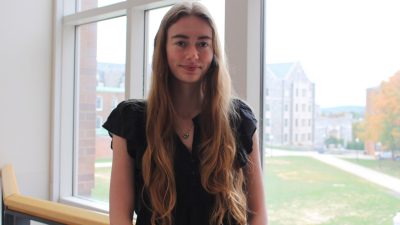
[192, 53]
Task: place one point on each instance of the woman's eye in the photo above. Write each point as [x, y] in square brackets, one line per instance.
[203, 44]
[180, 43]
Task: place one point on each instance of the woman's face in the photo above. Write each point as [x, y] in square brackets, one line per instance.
[189, 49]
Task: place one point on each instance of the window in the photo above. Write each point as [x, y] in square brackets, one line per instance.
[105, 59]
[100, 50]
[99, 122]
[83, 5]
[99, 103]
[114, 102]
[344, 104]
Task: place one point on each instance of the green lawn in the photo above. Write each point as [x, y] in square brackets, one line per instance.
[102, 184]
[304, 191]
[387, 166]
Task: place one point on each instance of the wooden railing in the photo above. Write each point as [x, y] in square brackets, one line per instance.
[18, 209]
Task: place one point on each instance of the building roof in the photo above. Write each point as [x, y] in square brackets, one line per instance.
[280, 70]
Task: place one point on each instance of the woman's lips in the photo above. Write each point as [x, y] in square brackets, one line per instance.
[190, 68]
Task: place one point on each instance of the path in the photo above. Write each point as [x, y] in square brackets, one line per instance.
[382, 179]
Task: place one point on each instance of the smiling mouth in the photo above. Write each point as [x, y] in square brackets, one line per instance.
[190, 68]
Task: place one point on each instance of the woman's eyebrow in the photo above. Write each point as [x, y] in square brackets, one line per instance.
[204, 37]
[182, 36]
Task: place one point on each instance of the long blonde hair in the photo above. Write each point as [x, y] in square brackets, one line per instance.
[219, 174]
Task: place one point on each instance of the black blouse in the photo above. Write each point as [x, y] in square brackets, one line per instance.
[194, 204]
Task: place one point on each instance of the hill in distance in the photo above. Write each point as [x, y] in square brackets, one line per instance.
[357, 110]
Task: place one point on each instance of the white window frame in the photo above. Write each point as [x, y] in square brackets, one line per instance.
[243, 27]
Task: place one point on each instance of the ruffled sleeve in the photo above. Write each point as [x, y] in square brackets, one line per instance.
[128, 120]
[245, 126]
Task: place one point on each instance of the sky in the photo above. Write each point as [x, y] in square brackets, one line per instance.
[344, 46]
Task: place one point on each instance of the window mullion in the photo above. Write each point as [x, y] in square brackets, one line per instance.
[135, 53]
[96, 14]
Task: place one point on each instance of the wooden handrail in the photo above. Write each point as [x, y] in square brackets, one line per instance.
[44, 209]
[9, 183]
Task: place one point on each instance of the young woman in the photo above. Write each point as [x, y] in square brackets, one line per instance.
[189, 153]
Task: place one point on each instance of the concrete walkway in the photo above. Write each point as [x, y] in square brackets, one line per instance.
[373, 176]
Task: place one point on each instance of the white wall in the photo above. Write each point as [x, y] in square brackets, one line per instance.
[25, 78]
[242, 23]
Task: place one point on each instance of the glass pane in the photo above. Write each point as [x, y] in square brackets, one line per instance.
[331, 119]
[101, 82]
[154, 17]
[83, 5]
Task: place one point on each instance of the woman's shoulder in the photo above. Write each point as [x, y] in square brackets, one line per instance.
[244, 123]
[132, 105]
[127, 119]
[243, 111]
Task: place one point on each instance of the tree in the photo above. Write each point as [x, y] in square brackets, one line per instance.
[383, 124]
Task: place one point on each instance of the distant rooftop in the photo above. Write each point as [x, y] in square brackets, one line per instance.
[280, 69]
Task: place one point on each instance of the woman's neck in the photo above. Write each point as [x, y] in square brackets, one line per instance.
[187, 99]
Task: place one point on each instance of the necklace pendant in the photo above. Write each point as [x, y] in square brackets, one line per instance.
[185, 136]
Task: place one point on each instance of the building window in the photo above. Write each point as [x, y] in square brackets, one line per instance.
[99, 122]
[99, 103]
[100, 49]
[114, 102]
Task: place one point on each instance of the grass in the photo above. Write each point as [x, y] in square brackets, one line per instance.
[102, 184]
[304, 191]
[386, 166]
